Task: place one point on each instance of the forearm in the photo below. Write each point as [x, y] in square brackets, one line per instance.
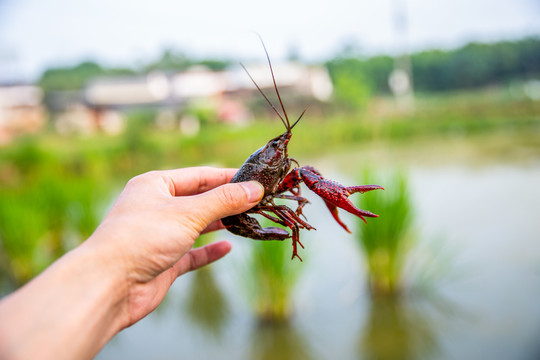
[68, 312]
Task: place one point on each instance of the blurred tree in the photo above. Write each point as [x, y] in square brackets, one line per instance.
[170, 61]
[377, 70]
[351, 88]
[470, 66]
[174, 60]
[74, 78]
[475, 65]
[216, 64]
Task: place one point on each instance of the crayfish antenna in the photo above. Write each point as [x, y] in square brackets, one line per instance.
[302, 114]
[275, 84]
[266, 98]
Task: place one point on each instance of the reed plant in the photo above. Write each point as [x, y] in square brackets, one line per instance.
[385, 241]
[270, 278]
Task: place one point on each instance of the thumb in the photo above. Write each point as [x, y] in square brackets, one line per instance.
[229, 199]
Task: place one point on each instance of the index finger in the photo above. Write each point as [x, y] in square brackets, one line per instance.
[196, 180]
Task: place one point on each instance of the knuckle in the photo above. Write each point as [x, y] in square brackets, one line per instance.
[143, 178]
[197, 258]
[134, 181]
[228, 198]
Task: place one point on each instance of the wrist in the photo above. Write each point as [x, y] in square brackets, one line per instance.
[69, 311]
[106, 275]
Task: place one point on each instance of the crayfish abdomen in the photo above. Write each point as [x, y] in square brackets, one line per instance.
[246, 226]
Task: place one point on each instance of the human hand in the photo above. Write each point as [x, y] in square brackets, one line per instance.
[123, 271]
[150, 230]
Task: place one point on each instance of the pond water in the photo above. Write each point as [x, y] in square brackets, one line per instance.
[474, 280]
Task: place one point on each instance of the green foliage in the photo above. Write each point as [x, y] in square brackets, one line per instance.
[170, 61]
[23, 229]
[174, 60]
[351, 88]
[203, 111]
[215, 64]
[38, 218]
[48, 204]
[476, 64]
[384, 240]
[377, 70]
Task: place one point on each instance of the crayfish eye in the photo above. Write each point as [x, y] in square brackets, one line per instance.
[275, 143]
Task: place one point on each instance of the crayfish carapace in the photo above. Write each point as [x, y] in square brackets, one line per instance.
[271, 166]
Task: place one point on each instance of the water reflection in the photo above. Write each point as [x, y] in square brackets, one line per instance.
[206, 305]
[278, 340]
[395, 329]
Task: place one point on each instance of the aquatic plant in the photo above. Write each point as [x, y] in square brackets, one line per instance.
[384, 241]
[270, 278]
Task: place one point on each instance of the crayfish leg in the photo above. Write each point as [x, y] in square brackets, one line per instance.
[296, 240]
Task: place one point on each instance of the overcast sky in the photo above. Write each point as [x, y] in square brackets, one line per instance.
[36, 34]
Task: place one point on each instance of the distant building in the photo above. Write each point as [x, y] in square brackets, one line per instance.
[308, 81]
[202, 83]
[21, 110]
[121, 92]
[100, 104]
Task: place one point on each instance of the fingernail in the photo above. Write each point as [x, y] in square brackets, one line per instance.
[254, 190]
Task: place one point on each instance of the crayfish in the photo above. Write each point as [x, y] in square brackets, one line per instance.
[271, 166]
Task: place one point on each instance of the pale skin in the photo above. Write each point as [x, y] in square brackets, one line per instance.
[123, 271]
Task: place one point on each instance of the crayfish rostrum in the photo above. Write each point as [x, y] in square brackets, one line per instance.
[271, 166]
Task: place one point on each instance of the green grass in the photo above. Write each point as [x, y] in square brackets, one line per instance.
[47, 206]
